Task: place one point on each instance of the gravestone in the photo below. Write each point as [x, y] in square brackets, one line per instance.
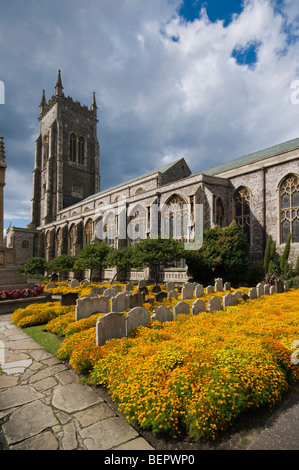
[69, 299]
[109, 293]
[245, 297]
[150, 300]
[187, 291]
[74, 283]
[252, 294]
[137, 299]
[155, 289]
[170, 286]
[120, 302]
[172, 294]
[141, 284]
[181, 308]
[266, 289]
[259, 289]
[272, 290]
[116, 288]
[286, 286]
[228, 300]
[199, 291]
[237, 295]
[97, 290]
[63, 284]
[214, 304]
[160, 296]
[162, 314]
[89, 305]
[112, 325]
[51, 285]
[85, 283]
[198, 306]
[129, 287]
[138, 316]
[218, 285]
[227, 286]
[279, 286]
[210, 290]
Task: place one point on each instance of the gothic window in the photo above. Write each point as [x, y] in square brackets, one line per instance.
[219, 213]
[175, 218]
[110, 230]
[73, 148]
[81, 150]
[88, 233]
[72, 239]
[46, 148]
[242, 211]
[137, 225]
[289, 209]
[25, 244]
[58, 242]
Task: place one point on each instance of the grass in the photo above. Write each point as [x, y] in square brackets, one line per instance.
[47, 340]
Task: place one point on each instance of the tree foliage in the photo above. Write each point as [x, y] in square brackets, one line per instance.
[34, 265]
[92, 257]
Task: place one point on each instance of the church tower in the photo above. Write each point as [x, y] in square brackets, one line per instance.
[66, 157]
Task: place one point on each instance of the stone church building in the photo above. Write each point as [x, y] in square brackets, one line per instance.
[69, 211]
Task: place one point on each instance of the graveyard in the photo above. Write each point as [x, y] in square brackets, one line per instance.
[177, 360]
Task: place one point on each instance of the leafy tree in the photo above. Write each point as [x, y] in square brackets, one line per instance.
[152, 252]
[92, 257]
[224, 253]
[62, 264]
[122, 258]
[34, 265]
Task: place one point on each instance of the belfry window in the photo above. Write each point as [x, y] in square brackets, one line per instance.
[73, 148]
[242, 211]
[289, 209]
[81, 149]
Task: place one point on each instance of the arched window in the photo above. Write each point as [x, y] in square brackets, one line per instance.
[242, 210]
[219, 213]
[88, 233]
[25, 244]
[58, 242]
[175, 217]
[73, 147]
[136, 229]
[72, 240]
[81, 150]
[110, 230]
[289, 209]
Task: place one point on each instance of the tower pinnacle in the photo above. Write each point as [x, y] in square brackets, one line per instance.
[93, 106]
[59, 87]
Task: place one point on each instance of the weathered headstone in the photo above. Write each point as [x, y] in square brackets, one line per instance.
[227, 286]
[170, 286]
[214, 304]
[137, 299]
[109, 293]
[141, 284]
[286, 286]
[228, 300]
[259, 289]
[69, 298]
[87, 306]
[97, 290]
[160, 296]
[279, 286]
[187, 291]
[199, 291]
[120, 302]
[272, 290]
[210, 290]
[112, 325]
[252, 293]
[138, 316]
[155, 289]
[51, 285]
[237, 295]
[129, 287]
[218, 285]
[85, 283]
[74, 283]
[198, 306]
[172, 294]
[117, 289]
[162, 314]
[266, 289]
[181, 308]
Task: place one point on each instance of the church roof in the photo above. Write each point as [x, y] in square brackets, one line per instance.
[253, 157]
[160, 170]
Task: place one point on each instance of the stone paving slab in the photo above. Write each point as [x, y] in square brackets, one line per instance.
[43, 406]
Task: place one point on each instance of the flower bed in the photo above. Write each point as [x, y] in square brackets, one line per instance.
[194, 375]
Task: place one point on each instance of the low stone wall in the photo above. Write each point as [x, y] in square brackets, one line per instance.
[9, 306]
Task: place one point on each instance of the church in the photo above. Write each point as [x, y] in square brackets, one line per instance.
[69, 211]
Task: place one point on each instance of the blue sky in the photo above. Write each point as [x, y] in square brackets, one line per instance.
[205, 80]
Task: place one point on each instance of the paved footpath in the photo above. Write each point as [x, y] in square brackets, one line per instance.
[44, 407]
